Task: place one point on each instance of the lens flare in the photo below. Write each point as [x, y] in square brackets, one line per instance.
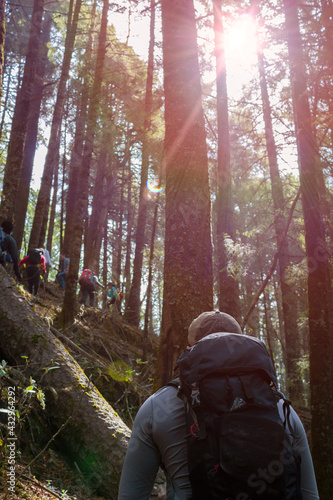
[154, 188]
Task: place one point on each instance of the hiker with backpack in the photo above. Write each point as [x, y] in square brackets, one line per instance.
[34, 263]
[114, 296]
[48, 262]
[8, 247]
[220, 430]
[62, 273]
[88, 281]
[111, 294]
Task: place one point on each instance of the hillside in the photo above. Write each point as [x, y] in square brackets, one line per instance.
[110, 353]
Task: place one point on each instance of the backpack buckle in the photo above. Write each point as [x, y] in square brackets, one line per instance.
[195, 396]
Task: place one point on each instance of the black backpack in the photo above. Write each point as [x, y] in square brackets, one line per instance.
[237, 445]
[35, 257]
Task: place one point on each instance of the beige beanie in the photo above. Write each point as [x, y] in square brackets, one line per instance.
[211, 322]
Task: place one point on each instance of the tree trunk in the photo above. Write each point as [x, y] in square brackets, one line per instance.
[105, 260]
[132, 312]
[103, 191]
[2, 40]
[53, 209]
[74, 168]
[42, 207]
[228, 286]
[289, 298]
[268, 321]
[5, 101]
[31, 138]
[77, 151]
[252, 326]
[130, 220]
[94, 435]
[149, 286]
[319, 281]
[119, 243]
[105, 185]
[20, 119]
[70, 306]
[188, 274]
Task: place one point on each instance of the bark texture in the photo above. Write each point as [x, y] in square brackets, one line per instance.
[319, 268]
[289, 297]
[188, 275]
[20, 118]
[132, 312]
[77, 150]
[2, 39]
[32, 134]
[95, 436]
[228, 285]
[41, 213]
[70, 302]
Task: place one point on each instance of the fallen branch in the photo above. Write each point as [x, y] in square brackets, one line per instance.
[42, 487]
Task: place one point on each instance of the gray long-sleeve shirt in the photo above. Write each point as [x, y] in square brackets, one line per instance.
[158, 438]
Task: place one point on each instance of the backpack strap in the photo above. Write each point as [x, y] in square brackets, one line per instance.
[174, 382]
[195, 423]
[247, 387]
[286, 408]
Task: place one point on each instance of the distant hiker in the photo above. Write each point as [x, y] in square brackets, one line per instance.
[88, 281]
[221, 430]
[8, 247]
[35, 265]
[111, 294]
[48, 262]
[114, 296]
[62, 273]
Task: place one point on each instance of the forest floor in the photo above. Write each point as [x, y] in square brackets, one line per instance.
[110, 353]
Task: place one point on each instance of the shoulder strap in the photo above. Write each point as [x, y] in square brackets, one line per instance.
[174, 382]
[194, 419]
[286, 408]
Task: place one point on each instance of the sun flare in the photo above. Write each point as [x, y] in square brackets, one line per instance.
[154, 187]
[241, 41]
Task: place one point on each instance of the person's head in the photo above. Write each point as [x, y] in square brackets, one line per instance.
[211, 322]
[110, 285]
[7, 226]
